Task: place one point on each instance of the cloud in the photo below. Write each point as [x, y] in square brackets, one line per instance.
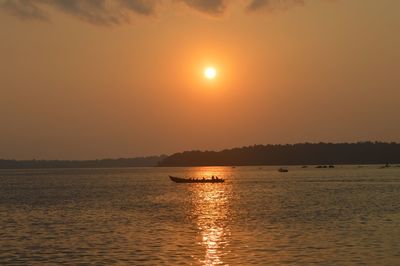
[102, 12]
[94, 11]
[255, 5]
[23, 9]
[144, 7]
[213, 7]
[112, 12]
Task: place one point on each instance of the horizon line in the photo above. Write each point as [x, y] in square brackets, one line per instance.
[200, 150]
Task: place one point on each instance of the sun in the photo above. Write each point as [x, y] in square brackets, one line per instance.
[210, 73]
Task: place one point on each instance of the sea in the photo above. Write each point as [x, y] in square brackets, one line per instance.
[348, 215]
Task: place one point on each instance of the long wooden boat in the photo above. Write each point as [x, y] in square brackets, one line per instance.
[191, 180]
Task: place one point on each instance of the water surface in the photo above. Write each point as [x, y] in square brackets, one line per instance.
[341, 216]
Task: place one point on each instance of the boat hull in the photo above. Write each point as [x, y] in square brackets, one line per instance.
[185, 180]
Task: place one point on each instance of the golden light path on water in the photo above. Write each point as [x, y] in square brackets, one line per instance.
[211, 211]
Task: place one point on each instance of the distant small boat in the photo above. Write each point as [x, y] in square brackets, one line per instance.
[283, 170]
[387, 165]
[193, 180]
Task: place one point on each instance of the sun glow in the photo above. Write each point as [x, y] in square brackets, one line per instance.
[210, 73]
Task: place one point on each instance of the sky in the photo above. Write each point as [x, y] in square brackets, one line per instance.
[124, 78]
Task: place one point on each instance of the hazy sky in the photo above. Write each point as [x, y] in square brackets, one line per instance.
[123, 78]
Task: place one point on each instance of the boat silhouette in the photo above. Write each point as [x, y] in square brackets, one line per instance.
[193, 180]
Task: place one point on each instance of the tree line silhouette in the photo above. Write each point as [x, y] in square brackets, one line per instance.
[291, 154]
[105, 163]
[288, 154]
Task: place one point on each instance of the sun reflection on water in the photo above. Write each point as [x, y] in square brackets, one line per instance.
[211, 212]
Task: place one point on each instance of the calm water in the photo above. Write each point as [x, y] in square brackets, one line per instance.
[346, 215]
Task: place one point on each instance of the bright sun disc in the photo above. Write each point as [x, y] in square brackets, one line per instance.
[210, 73]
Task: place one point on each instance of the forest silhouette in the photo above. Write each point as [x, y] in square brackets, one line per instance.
[292, 154]
[288, 154]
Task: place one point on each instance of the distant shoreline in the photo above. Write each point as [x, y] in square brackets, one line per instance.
[150, 161]
[360, 153]
[313, 166]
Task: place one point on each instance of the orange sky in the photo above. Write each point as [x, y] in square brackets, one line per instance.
[78, 82]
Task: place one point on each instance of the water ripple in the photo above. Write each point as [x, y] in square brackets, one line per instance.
[258, 216]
